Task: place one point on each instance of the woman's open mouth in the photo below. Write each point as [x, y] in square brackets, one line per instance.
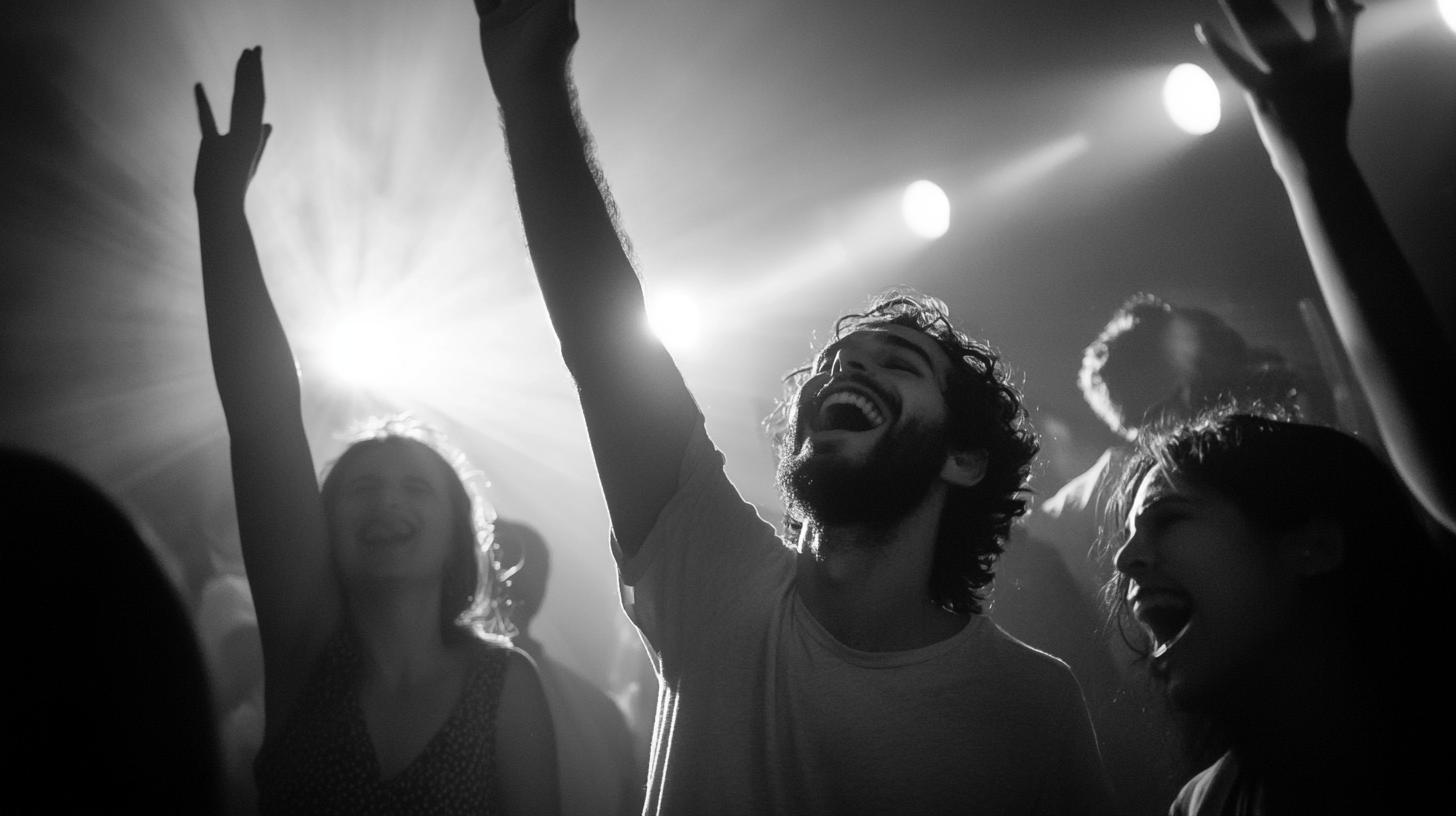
[1164, 615]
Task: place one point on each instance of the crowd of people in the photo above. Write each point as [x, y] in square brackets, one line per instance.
[1232, 612]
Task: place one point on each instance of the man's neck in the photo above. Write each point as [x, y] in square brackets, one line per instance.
[870, 587]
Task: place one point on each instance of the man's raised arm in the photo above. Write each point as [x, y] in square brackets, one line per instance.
[639, 413]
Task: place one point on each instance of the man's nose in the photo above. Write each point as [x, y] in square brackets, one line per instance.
[846, 360]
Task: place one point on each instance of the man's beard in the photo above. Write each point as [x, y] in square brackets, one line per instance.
[881, 490]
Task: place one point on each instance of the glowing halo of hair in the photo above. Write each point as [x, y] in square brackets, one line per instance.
[474, 598]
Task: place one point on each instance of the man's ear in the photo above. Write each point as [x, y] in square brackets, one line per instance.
[1314, 548]
[964, 468]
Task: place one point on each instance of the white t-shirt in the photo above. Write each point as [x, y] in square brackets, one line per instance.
[762, 711]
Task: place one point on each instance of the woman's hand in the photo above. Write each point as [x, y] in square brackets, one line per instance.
[226, 163]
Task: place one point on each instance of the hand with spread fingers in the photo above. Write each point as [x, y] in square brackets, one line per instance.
[1301, 103]
[226, 162]
[526, 43]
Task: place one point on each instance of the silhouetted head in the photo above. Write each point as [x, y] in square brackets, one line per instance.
[525, 551]
[872, 422]
[400, 507]
[105, 678]
[1155, 363]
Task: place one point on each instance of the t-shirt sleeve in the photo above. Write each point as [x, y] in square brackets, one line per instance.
[708, 562]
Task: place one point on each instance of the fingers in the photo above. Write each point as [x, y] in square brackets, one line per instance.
[1334, 22]
[262, 145]
[1266, 32]
[1323, 13]
[1244, 72]
[248, 92]
[204, 112]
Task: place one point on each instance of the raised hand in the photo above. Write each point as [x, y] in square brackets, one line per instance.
[526, 43]
[226, 163]
[1301, 99]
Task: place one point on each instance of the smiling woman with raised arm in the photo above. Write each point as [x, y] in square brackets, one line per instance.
[390, 684]
[1280, 585]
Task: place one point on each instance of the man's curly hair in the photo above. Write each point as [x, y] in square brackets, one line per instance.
[985, 412]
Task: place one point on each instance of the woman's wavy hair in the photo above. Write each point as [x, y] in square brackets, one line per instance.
[985, 412]
[474, 597]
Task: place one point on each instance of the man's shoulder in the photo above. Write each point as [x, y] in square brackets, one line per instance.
[993, 649]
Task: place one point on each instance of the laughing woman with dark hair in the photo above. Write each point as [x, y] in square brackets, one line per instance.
[1280, 577]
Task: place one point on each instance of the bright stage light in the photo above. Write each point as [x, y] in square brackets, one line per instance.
[674, 319]
[1447, 8]
[362, 351]
[926, 209]
[1191, 99]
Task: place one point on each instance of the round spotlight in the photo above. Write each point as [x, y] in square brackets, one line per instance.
[926, 209]
[1447, 8]
[361, 352]
[1191, 99]
[673, 317]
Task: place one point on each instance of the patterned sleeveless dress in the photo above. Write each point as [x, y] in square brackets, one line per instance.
[323, 760]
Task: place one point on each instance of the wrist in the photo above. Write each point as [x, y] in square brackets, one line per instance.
[531, 95]
[220, 203]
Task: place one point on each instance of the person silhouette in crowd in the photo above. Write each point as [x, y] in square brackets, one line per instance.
[594, 748]
[1154, 364]
[107, 705]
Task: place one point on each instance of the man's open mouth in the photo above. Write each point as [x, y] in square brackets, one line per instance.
[847, 410]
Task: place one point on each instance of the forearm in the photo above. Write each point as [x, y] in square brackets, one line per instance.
[581, 259]
[252, 363]
[638, 410]
[1397, 349]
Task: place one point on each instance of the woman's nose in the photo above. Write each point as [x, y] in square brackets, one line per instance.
[1134, 556]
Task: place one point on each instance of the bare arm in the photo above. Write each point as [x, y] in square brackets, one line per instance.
[1386, 324]
[280, 518]
[638, 410]
[526, 743]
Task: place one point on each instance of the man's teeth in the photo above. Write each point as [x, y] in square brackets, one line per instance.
[853, 401]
